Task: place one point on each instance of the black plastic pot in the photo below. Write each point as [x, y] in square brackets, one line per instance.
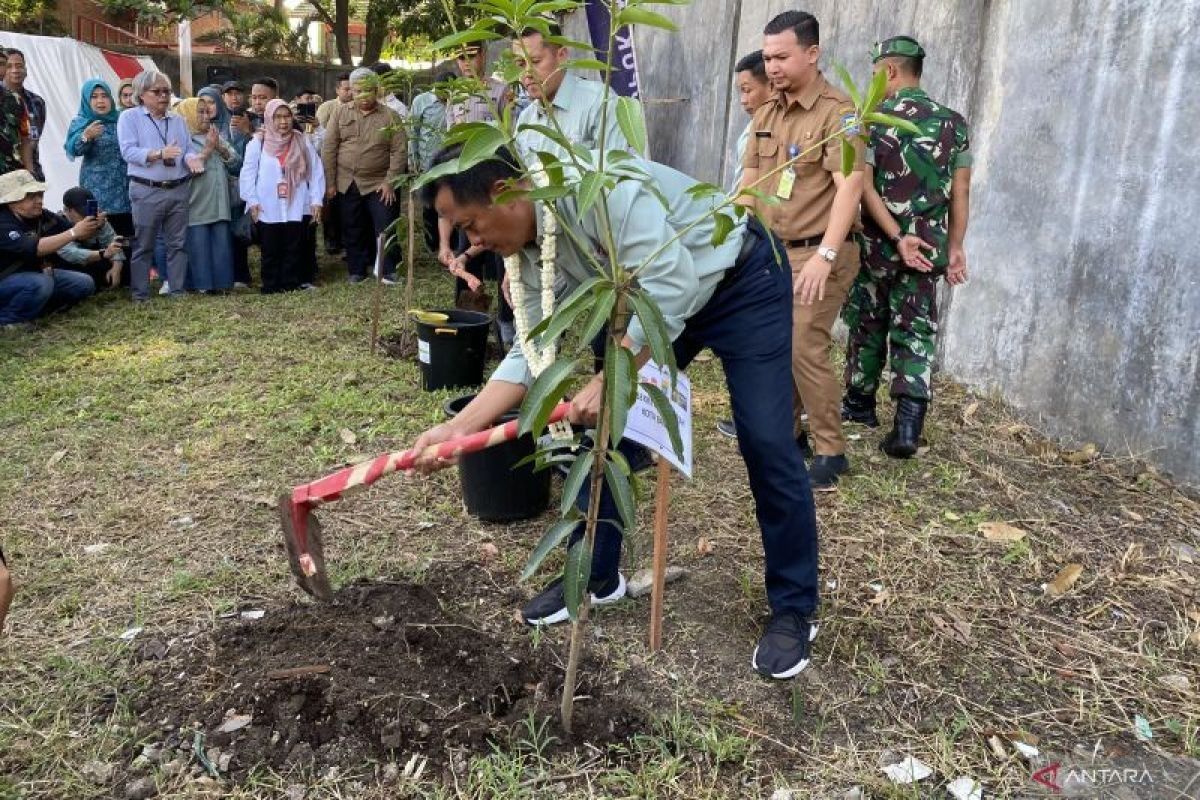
[452, 353]
[492, 489]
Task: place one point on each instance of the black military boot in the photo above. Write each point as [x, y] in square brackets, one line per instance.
[859, 407]
[905, 436]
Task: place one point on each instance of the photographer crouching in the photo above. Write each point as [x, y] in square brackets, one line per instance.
[102, 256]
[31, 283]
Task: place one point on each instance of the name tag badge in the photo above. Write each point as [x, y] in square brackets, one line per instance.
[281, 190]
[787, 182]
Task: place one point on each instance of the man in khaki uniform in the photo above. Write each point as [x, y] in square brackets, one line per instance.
[817, 212]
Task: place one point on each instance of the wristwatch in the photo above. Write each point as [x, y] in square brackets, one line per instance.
[827, 253]
[896, 237]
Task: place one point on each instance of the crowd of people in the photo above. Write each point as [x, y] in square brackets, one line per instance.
[869, 246]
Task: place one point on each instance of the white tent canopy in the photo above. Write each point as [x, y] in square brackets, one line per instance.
[58, 68]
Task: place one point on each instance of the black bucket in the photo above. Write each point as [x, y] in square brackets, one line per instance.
[492, 489]
[452, 353]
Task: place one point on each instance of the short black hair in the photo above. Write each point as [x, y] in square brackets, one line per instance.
[76, 198]
[12, 51]
[802, 23]
[445, 76]
[345, 76]
[909, 64]
[475, 184]
[381, 68]
[270, 83]
[754, 64]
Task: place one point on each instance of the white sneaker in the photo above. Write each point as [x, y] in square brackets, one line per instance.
[165, 288]
[388, 281]
[308, 287]
[240, 285]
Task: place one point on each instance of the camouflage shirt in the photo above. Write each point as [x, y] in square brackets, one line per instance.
[14, 126]
[913, 175]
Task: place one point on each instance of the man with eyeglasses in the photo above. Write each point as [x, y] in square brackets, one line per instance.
[33, 279]
[154, 143]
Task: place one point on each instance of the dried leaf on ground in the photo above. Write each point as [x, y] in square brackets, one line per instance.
[1179, 683]
[970, 410]
[1083, 455]
[965, 788]
[910, 770]
[1063, 581]
[704, 546]
[348, 436]
[58, 456]
[1001, 532]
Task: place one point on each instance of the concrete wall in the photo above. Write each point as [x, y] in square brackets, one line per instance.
[1084, 303]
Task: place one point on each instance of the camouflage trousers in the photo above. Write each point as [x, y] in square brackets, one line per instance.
[891, 309]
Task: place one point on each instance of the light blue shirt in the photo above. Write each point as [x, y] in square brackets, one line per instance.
[681, 279]
[740, 152]
[578, 106]
[139, 133]
[427, 117]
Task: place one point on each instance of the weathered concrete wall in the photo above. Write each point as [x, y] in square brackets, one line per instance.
[1084, 302]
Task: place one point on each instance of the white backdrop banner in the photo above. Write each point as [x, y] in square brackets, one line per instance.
[58, 68]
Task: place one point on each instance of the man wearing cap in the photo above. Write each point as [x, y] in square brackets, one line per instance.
[816, 212]
[155, 143]
[916, 198]
[30, 238]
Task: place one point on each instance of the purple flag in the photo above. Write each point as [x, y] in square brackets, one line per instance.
[625, 75]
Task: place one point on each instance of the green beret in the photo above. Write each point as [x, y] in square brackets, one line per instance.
[897, 46]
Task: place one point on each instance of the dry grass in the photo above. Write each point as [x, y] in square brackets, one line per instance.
[165, 432]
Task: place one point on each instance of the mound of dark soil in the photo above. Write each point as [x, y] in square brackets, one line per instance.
[383, 673]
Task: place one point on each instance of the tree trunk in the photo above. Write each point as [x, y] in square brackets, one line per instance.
[341, 31]
[377, 28]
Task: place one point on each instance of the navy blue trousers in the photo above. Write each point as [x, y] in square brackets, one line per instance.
[748, 324]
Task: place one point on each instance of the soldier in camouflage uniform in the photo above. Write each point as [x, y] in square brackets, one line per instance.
[916, 201]
[15, 148]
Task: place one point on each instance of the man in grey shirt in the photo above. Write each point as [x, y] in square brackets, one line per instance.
[154, 143]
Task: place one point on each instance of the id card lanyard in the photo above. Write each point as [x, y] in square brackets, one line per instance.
[281, 189]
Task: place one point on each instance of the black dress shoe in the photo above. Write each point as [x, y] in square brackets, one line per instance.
[905, 436]
[859, 407]
[824, 471]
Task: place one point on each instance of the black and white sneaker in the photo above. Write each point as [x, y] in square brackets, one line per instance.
[783, 651]
[549, 607]
[726, 427]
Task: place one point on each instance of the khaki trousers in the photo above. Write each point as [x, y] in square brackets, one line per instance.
[817, 388]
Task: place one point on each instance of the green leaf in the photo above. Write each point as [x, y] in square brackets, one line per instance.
[848, 83]
[566, 41]
[634, 15]
[578, 473]
[723, 225]
[702, 190]
[445, 168]
[549, 193]
[481, 147]
[576, 575]
[586, 63]
[552, 165]
[892, 122]
[605, 298]
[620, 388]
[466, 36]
[549, 132]
[464, 131]
[762, 197]
[511, 195]
[632, 121]
[589, 191]
[551, 539]
[655, 328]
[848, 155]
[618, 484]
[877, 91]
[667, 412]
[545, 394]
[579, 301]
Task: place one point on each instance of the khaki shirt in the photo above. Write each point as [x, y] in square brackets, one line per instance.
[358, 150]
[780, 127]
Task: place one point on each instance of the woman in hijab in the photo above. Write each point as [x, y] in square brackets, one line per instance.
[92, 135]
[283, 184]
[125, 98]
[209, 240]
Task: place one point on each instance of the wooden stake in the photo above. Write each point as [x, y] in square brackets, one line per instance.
[412, 252]
[380, 240]
[662, 499]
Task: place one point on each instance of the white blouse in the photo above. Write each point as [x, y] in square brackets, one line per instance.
[259, 184]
